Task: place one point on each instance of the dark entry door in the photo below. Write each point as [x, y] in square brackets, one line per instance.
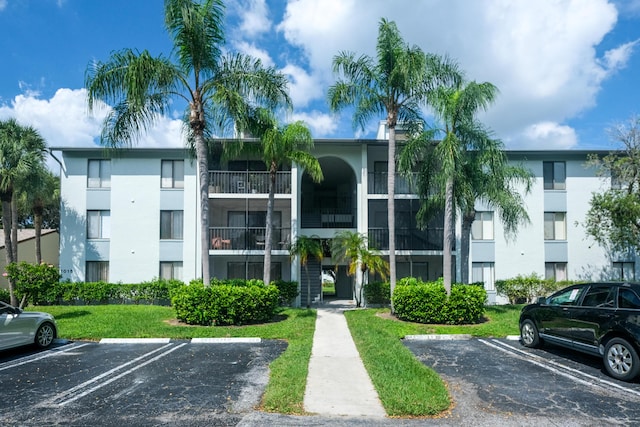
[343, 283]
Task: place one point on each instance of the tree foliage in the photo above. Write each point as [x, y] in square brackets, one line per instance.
[613, 219]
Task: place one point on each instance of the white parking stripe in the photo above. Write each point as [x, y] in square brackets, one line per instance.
[224, 340]
[546, 364]
[39, 356]
[109, 381]
[72, 390]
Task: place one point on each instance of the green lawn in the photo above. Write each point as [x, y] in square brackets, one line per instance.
[405, 386]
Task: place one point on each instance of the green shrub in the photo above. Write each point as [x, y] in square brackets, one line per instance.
[288, 291]
[378, 293]
[427, 302]
[5, 296]
[419, 302]
[35, 282]
[525, 289]
[225, 304]
[465, 304]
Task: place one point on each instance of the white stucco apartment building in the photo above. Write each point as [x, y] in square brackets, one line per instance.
[133, 216]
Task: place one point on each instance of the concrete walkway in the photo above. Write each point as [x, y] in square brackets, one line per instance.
[338, 383]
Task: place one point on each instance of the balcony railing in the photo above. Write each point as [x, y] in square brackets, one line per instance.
[234, 182]
[378, 183]
[329, 212]
[247, 238]
[408, 239]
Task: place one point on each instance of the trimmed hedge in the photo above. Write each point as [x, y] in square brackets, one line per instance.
[427, 302]
[5, 296]
[225, 304]
[378, 293]
[525, 289]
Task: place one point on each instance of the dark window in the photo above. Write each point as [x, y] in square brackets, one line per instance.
[554, 175]
[628, 299]
[97, 271]
[599, 296]
[171, 225]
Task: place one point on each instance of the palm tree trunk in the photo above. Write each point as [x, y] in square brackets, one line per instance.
[391, 216]
[465, 240]
[203, 177]
[14, 227]
[448, 236]
[306, 270]
[37, 224]
[6, 224]
[269, 227]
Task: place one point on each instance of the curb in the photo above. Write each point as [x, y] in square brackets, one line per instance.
[431, 337]
[223, 340]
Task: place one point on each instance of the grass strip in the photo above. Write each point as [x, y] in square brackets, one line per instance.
[288, 373]
[405, 386]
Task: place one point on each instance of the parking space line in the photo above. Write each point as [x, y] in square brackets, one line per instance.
[39, 356]
[72, 390]
[224, 340]
[110, 380]
[135, 340]
[546, 364]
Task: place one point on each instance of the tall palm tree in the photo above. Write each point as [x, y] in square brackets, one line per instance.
[352, 248]
[21, 149]
[484, 175]
[218, 89]
[39, 191]
[397, 85]
[306, 247]
[279, 146]
[455, 107]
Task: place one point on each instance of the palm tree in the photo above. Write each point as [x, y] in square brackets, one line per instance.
[39, 191]
[21, 149]
[484, 175]
[306, 247]
[218, 89]
[455, 107]
[279, 146]
[397, 85]
[352, 248]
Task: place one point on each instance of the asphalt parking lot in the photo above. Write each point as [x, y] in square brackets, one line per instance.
[177, 383]
[501, 382]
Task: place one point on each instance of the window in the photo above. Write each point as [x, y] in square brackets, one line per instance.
[98, 224]
[555, 226]
[568, 297]
[172, 172]
[482, 227]
[171, 270]
[99, 174]
[600, 296]
[555, 271]
[252, 270]
[171, 225]
[554, 175]
[628, 299]
[624, 271]
[97, 271]
[483, 272]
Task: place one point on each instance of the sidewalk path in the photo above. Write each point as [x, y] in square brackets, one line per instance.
[337, 383]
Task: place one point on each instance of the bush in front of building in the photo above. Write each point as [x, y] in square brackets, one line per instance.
[288, 291]
[377, 293]
[33, 282]
[525, 289]
[5, 296]
[427, 302]
[225, 304]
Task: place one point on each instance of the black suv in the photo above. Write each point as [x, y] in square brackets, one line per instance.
[602, 319]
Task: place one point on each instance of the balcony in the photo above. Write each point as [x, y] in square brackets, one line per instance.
[378, 183]
[238, 182]
[408, 239]
[329, 212]
[247, 238]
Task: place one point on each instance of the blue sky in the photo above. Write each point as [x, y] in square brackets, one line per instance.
[566, 70]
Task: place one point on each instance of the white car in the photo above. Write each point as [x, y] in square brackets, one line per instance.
[18, 328]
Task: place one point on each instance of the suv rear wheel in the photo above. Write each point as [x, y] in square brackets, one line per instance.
[621, 359]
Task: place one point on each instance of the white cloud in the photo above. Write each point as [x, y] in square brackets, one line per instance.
[541, 55]
[545, 136]
[64, 121]
[321, 124]
[254, 17]
[252, 50]
[3, 5]
[303, 86]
